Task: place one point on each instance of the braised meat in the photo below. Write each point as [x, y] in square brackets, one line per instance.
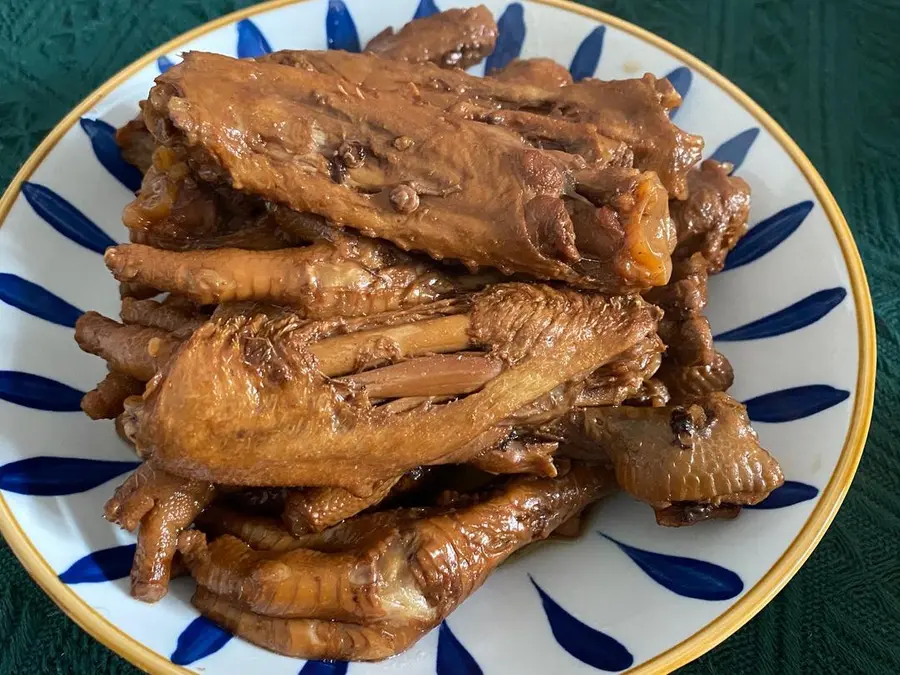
[136, 143]
[371, 587]
[295, 427]
[359, 277]
[705, 453]
[542, 73]
[384, 323]
[424, 182]
[107, 399]
[454, 38]
[160, 506]
[633, 114]
[714, 216]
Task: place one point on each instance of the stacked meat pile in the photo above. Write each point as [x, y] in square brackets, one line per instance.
[411, 321]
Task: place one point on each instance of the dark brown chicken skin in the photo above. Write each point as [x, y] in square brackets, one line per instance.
[261, 390]
[631, 114]
[542, 73]
[161, 505]
[702, 454]
[389, 574]
[714, 216]
[454, 38]
[402, 175]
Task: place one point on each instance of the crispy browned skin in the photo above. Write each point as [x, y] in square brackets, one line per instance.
[714, 216]
[180, 321]
[162, 505]
[399, 576]
[105, 401]
[136, 143]
[252, 382]
[323, 280]
[704, 453]
[454, 38]
[136, 351]
[543, 73]
[396, 170]
[633, 113]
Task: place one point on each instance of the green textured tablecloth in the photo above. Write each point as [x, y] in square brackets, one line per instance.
[827, 70]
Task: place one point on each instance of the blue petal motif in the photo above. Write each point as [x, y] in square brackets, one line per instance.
[55, 476]
[425, 8]
[452, 657]
[201, 638]
[103, 141]
[788, 405]
[788, 494]
[586, 58]
[324, 668]
[687, 577]
[40, 393]
[735, 150]
[251, 42]
[586, 644]
[106, 565]
[37, 301]
[339, 27]
[680, 78]
[511, 27]
[767, 235]
[65, 218]
[797, 316]
[164, 63]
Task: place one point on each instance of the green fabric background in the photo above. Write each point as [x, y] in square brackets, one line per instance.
[825, 69]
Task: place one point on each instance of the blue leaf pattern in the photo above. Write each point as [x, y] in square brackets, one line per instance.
[40, 393]
[106, 565]
[425, 8]
[586, 644]
[511, 27]
[324, 668]
[37, 301]
[339, 28]
[788, 405]
[687, 577]
[452, 657]
[788, 494]
[103, 141]
[163, 63]
[55, 476]
[65, 218]
[735, 150]
[797, 316]
[251, 42]
[680, 78]
[586, 58]
[201, 638]
[767, 235]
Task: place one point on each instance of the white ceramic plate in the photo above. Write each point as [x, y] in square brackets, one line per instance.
[792, 313]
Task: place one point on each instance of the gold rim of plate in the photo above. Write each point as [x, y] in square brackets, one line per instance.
[707, 637]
